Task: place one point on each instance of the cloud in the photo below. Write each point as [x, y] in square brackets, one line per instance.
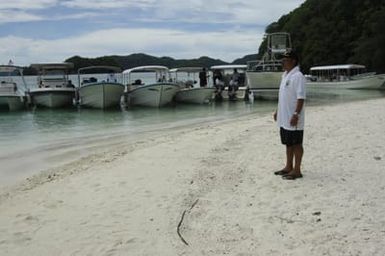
[181, 29]
[226, 45]
[112, 4]
[8, 16]
[242, 11]
[27, 4]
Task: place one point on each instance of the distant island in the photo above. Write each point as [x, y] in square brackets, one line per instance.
[141, 59]
[323, 33]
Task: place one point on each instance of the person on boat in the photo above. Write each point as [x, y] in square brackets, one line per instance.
[111, 77]
[217, 74]
[70, 84]
[203, 78]
[235, 78]
[219, 87]
[233, 85]
[290, 115]
[162, 79]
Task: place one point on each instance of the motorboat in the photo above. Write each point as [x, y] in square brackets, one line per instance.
[347, 76]
[264, 75]
[190, 91]
[54, 89]
[229, 82]
[149, 86]
[100, 87]
[11, 97]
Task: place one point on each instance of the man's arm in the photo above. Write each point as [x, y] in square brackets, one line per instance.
[297, 113]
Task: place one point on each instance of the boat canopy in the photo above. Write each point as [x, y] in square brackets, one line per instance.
[53, 66]
[223, 67]
[335, 67]
[110, 68]
[10, 69]
[147, 68]
[186, 69]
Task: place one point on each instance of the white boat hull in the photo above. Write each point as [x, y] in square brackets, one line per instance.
[375, 82]
[266, 94]
[263, 80]
[264, 85]
[101, 95]
[195, 95]
[239, 94]
[52, 97]
[152, 95]
[11, 102]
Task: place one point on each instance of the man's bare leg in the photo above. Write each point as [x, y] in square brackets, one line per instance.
[289, 158]
[296, 172]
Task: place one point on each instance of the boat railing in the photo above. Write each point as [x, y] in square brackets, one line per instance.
[53, 82]
[362, 75]
[264, 65]
[8, 87]
[338, 75]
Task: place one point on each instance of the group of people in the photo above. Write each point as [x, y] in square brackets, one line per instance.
[219, 82]
[218, 78]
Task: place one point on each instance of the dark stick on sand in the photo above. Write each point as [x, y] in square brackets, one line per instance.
[181, 221]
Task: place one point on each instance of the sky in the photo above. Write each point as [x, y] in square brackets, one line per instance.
[36, 31]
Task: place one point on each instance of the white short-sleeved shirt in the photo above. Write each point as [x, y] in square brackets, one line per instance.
[291, 89]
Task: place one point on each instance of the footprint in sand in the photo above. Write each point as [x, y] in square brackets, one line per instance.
[31, 219]
[53, 204]
[20, 237]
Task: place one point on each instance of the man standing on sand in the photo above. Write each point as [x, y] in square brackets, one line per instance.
[290, 115]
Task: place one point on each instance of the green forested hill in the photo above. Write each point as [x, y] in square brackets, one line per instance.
[245, 59]
[336, 32]
[140, 59]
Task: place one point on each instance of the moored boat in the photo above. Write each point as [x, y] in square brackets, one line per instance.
[347, 76]
[264, 75]
[101, 93]
[54, 89]
[11, 97]
[156, 89]
[229, 82]
[190, 92]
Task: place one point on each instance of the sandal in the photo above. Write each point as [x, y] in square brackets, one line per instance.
[281, 172]
[292, 176]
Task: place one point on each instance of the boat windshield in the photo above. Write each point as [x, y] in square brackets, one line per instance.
[8, 76]
[185, 77]
[146, 76]
[53, 78]
[276, 45]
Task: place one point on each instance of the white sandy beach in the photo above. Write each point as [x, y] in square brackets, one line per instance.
[130, 199]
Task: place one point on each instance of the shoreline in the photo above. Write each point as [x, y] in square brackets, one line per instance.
[130, 198]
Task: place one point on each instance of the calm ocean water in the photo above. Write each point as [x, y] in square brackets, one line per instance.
[35, 140]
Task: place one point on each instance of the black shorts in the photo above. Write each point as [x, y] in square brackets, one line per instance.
[291, 138]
